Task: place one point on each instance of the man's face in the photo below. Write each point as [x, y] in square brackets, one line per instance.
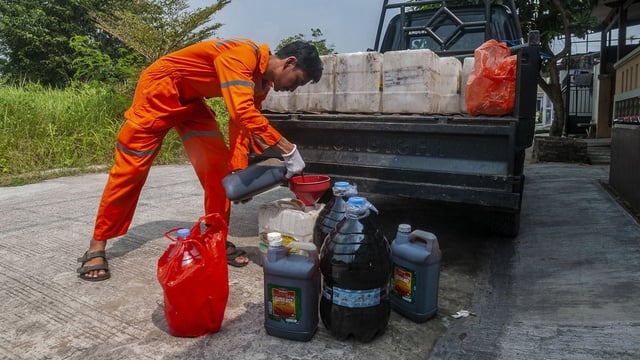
[290, 77]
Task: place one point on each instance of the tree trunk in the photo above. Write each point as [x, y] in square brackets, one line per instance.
[553, 89]
[559, 113]
[558, 125]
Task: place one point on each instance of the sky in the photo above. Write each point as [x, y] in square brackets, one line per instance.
[347, 25]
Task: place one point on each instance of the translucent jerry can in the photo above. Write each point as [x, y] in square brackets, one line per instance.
[320, 96]
[449, 88]
[279, 101]
[411, 80]
[288, 216]
[467, 66]
[357, 84]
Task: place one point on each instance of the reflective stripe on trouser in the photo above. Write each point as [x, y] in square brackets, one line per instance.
[135, 151]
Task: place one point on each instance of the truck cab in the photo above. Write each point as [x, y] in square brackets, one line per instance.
[448, 28]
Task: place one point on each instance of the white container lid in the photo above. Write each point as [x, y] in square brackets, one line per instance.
[274, 239]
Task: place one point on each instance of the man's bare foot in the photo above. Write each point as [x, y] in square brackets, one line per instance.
[94, 265]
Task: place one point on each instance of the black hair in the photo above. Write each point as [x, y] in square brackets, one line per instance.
[307, 58]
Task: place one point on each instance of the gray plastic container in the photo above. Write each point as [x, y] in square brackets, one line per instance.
[255, 179]
[416, 273]
[291, 289]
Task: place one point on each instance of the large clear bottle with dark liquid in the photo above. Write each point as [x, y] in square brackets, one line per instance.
[355, 262]
[333, 211]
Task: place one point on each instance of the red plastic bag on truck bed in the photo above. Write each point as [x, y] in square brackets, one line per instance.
[491, 86]
[196, 289]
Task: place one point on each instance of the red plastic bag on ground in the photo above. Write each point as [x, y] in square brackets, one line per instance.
[196, 290]
[491, 86]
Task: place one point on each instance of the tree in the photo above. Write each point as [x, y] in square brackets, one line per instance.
[34, 37]
[90, 64]
[316, 34]
[156, 27]
[47, 41]
[554, 18]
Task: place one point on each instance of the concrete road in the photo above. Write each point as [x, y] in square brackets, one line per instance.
[565, 288]
[568, 287]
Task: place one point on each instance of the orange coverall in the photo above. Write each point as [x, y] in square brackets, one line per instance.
[170, 94]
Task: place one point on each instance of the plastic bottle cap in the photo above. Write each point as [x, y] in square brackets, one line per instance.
[357, 201]
[183, 233]
[405, 228]
[341, 185]
[274, 239]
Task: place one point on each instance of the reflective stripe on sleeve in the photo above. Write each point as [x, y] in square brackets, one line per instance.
[237, 83]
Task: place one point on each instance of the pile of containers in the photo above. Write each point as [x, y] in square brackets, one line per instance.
[344, 272]
[396, 82]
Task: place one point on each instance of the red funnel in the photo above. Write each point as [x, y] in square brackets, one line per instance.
[309, 188]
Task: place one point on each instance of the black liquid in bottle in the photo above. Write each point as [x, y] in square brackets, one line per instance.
[356, 266]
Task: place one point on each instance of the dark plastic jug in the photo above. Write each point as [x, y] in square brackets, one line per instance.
[255, 179]
[333, 211]
[291, 289]
[355, 263]
[416, 273]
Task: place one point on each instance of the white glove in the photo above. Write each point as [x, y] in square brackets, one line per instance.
[293, 162]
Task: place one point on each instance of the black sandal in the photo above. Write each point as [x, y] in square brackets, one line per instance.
[83, 270]
[231, 256]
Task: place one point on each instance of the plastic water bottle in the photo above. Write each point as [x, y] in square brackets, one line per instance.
[333, 211]
[191, 252]
[416, 272]
[255, 179]
[355, 263]
[291, 289]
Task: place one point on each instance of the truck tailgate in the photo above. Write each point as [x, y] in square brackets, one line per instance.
[446, 158]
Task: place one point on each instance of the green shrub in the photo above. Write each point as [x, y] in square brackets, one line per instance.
[46, 132]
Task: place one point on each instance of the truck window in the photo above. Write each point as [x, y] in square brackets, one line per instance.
[456, 29]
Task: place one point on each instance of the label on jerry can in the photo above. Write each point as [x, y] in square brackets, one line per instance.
[403, 283]
[284, 303]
